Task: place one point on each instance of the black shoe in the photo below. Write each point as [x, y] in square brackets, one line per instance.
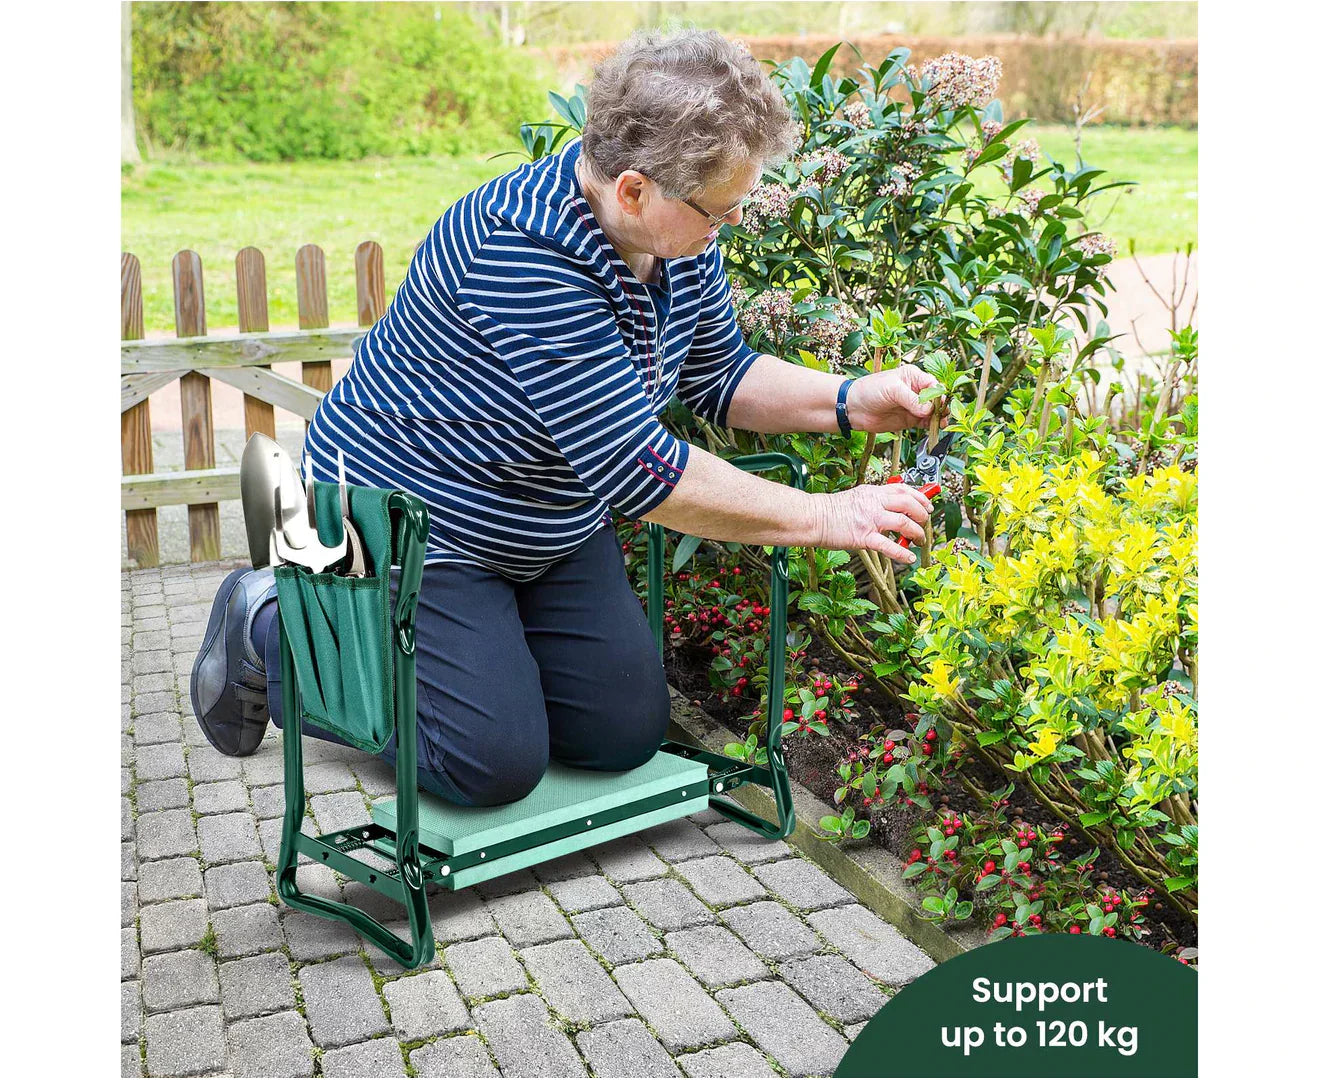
[228, 687]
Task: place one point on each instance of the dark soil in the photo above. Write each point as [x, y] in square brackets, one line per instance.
[813, 762]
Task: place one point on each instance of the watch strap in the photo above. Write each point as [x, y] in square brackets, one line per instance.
[841, 408]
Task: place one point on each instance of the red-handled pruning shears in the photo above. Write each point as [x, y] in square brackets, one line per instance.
[925, 474]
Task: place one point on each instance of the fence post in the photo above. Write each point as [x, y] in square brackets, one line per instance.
[369, 262]
[135, 423]
[253, 317]
[195, 402]
[313, 310]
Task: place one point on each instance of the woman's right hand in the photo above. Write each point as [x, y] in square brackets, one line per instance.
[858, 519]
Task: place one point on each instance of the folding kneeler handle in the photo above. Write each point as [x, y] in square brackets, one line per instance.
[404, 882]
[775, 774]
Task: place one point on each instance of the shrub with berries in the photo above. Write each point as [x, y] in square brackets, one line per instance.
[1014, 874]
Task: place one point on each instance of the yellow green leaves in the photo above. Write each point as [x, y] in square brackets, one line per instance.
[942, 679]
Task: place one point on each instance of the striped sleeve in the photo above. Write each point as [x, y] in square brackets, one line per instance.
[719, 356]
[554, 330]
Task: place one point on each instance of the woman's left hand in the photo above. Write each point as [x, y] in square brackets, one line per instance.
[887, 400]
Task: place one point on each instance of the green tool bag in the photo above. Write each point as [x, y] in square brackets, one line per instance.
[339, 628]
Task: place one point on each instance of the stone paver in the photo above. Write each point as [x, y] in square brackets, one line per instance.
[242, 931]
[311, 937]
[676, 841]
[172, 925]
[771, 930]
[668, 904]
[735, 1059]
[485, 968]
[229, 838]
[165, 833]
[175, 980]
[584, 893]
[719, 881]
[574, 983]
[130, 1011]
[625, 1048]
[128, 903]
[255, 985]
[522, 1039]
[673, 1003]
[234, 884]
[785, 1027]
[187, 1042]
[529, 919]
[872, 944]
[458, 1055]
[341, 810]
[803, 884]
[617, 934]
[169, 879]
[745, 845]
[834, 986]
[341, 1002]
[271, 1046]
[715, 956]
[425, 1005]
[162, 795]
[220, 797]
[159, 762]
[670, 952]
[628, 859]
[460, 916]
[377, 1057]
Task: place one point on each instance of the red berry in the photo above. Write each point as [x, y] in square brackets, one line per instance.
[788, 714]
[888, 759]
[931, 736]
[1025, 867]
[916, 854]
[989, 866]
[1000, 919]
[1110, 931]
[1074, 929]
[889, 744]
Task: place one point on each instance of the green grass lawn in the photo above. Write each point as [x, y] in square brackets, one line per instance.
[1159, 214]
[217, 209]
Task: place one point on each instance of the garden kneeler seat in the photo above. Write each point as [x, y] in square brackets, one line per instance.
[351, 668]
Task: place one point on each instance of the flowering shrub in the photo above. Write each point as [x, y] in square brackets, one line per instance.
[1061, 650]
[1054, 610]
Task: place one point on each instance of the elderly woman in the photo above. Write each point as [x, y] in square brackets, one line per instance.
[514, 385]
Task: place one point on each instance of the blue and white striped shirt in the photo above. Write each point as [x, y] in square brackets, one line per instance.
[515, 380]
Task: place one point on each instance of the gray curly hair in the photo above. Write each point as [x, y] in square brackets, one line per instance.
[686, 109]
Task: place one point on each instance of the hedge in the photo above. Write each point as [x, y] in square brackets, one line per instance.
[1137, 82]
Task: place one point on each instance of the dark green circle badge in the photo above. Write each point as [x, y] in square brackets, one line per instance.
[1059, 1005]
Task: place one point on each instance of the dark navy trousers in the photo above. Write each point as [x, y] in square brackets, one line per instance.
[511, 674]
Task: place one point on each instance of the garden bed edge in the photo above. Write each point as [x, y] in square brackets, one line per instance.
[871, 874]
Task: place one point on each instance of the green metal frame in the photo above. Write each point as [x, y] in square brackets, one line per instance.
[411, 866]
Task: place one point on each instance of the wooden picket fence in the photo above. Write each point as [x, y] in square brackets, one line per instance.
[242, 360]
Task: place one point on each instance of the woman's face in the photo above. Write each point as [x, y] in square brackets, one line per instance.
[673, 229]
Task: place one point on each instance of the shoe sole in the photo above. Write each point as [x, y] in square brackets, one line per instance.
[213, 627]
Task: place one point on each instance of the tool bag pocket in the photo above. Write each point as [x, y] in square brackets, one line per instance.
[339, 628]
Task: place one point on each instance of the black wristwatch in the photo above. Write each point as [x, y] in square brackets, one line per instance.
[841, 408]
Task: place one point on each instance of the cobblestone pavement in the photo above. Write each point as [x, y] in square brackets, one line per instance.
[694, 948]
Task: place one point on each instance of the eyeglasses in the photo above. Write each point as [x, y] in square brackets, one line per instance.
[712, 219]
